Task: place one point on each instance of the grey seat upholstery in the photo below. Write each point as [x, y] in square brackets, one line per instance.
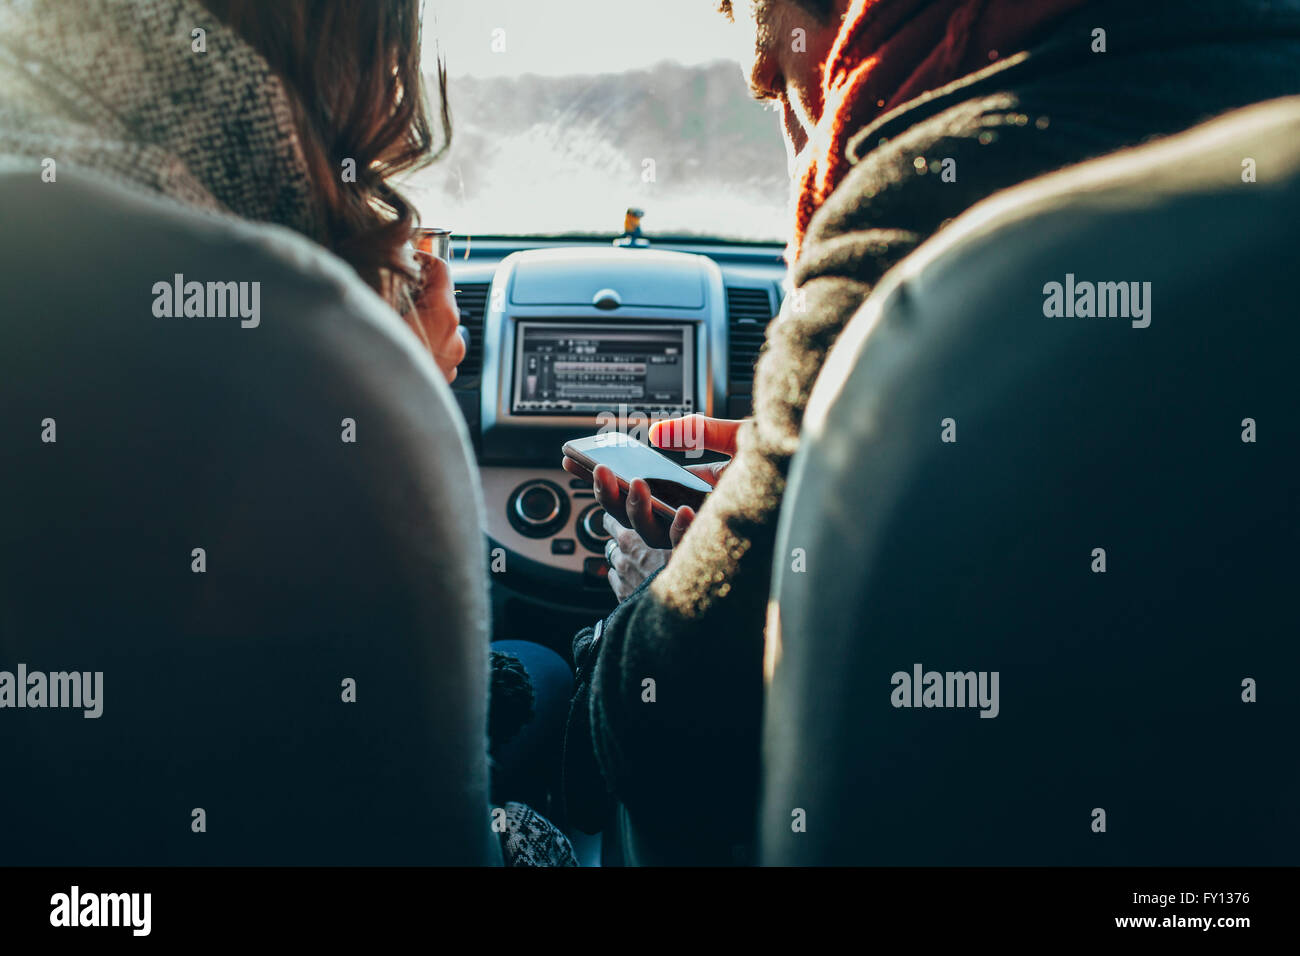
[1121, 690]
[325, 560]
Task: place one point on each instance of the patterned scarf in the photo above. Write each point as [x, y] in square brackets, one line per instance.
[891, 51]
[117, 87]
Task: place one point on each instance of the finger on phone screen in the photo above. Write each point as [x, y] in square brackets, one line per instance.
[696, 433]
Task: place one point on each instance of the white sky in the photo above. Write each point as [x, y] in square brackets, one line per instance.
[559, 37]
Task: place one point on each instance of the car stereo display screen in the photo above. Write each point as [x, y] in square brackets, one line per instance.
[586, 369]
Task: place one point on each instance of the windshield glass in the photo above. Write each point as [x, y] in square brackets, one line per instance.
[566, 113]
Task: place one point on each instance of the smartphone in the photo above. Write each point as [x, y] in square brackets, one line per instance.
[671, 485]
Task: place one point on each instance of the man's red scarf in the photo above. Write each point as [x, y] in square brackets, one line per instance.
[892, 51]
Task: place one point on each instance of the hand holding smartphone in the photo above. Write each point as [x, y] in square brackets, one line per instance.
[671, 485]
[650, 513]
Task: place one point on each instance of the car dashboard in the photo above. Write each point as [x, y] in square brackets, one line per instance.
[568, 338]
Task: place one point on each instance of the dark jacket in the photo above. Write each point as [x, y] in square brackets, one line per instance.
[686, 766]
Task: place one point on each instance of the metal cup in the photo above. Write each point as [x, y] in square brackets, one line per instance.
[436, 243]
[433, 242]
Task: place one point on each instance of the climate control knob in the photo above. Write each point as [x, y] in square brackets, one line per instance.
[538, 508]
[591, 528]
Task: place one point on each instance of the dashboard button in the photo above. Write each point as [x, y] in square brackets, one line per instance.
[563, 546]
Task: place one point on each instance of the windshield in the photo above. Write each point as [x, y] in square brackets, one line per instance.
[567, 113]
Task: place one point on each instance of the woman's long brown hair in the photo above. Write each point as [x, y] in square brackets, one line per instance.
[352, 68]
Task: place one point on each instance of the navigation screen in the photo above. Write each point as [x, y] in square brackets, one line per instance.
[586, 369]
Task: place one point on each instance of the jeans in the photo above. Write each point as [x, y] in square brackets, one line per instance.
[526, 768]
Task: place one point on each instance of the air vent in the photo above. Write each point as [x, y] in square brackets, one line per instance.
[748, 313]
[472, 302]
